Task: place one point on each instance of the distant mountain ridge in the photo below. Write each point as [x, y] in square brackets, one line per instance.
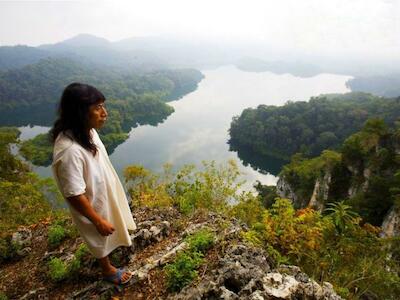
[156, 52]
[12, 57]
[82, 48]
[84, 40]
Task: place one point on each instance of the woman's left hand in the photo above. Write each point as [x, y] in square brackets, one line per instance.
[104, 227]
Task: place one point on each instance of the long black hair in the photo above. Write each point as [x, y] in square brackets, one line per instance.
[73, 114]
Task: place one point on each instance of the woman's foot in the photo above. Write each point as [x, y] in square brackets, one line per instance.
[117, 276]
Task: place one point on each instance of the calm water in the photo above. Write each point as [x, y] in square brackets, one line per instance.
[198, 130]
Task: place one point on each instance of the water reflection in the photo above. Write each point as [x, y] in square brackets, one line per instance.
[262, 163]
[29, 131]
[198, 130]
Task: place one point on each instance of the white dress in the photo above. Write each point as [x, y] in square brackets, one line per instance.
[78, 172]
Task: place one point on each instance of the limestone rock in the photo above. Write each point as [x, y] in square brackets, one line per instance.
[248, 273]
[321, 192]
[391, 223]
[21, 240]
[280, 286]
[284, 190]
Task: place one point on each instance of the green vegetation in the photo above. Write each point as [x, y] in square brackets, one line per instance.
[342, 216]
[132, 98]
[323, 122]
[17, 56]
[8, 250]
[38, 150]
[59, 270]
[201, 241]
[3, 296]
[188, 189]
[60, 229]
[367, 164]
[23, 195]
[183, 270]
[40, 85]
[302, 173]
[56, 235]
[337, 246]
[334, 248]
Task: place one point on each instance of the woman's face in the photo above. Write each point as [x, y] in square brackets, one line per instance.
[97, 115]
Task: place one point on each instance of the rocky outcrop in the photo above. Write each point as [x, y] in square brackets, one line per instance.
[238, 271]
[21, 241]
[318, 197]
[360, 185]
[321, 191]
[285, 190]
[245, 272]
[391, 223]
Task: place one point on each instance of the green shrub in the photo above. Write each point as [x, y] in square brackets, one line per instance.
[58, 270]
[336, 248]
[5, 249]
[56, 235]
[183, 270]
[61, 228]
[252, 237]
[248, 209]
[8, 249]
[212, 188]
[76, 264]
[81, 251]
[201, 241]
[3, 296]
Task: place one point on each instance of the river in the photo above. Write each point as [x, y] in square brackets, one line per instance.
[198, 129]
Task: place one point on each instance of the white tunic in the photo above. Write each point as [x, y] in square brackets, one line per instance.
[78, 172]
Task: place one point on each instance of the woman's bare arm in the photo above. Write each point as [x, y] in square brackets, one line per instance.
[82, 204]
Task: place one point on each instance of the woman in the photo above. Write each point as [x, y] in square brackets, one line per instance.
[87, 179]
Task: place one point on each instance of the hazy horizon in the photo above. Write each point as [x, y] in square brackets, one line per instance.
[364, 29]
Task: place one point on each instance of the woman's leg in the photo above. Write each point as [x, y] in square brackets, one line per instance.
[108, 269]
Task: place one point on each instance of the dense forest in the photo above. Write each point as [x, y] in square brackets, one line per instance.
[323, 122]
[29, 95]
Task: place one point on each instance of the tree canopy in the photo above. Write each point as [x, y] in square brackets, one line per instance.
[323, 122]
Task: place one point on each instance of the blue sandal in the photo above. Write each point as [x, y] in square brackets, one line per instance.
[117, 277]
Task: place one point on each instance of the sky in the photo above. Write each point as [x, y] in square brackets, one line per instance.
[309, 26]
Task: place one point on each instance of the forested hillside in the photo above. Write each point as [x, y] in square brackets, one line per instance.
[12, 57]
[365, 173]
[29, 95]
[32, 91]
[323, 122]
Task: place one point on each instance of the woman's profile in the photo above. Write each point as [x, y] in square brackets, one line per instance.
[87, 179]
